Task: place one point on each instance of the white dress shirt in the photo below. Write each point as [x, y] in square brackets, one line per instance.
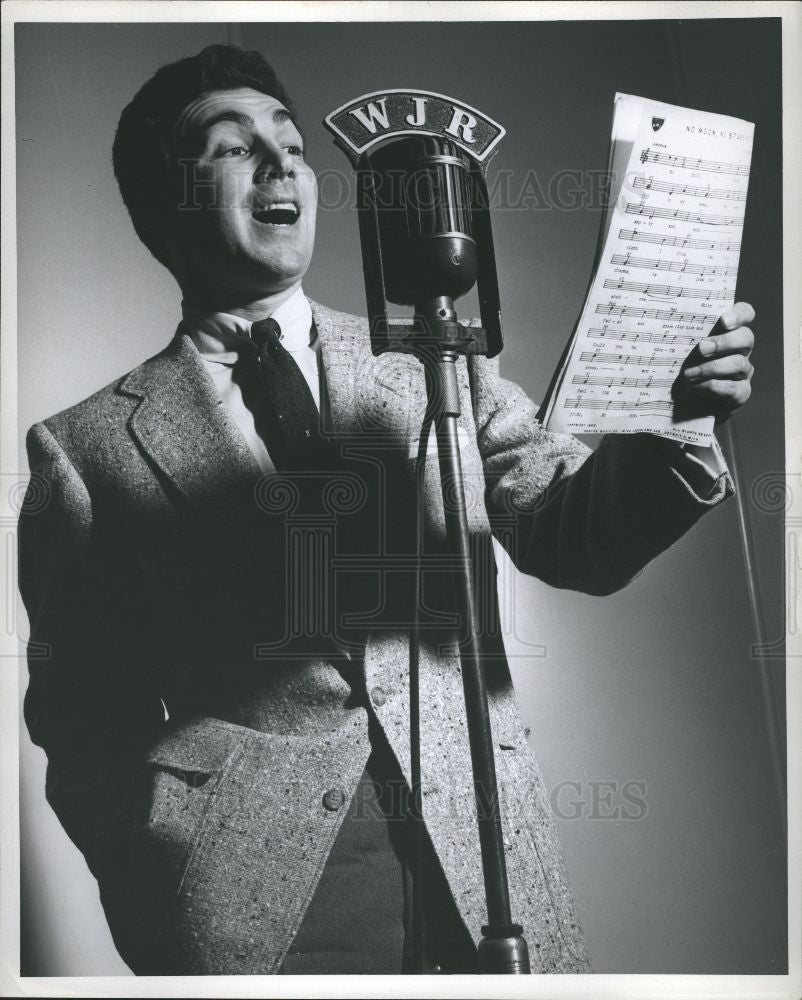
[218, 337]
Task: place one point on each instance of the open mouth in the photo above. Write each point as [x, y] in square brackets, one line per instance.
[279, 214]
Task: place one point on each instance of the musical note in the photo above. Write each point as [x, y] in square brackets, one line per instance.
[692, 190]
[678, 241]
[683, 267]
[668, 291]
[654, 212]
[693, 163]
[670, 315]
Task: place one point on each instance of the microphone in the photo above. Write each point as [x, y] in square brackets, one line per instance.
[424, 216]
[422, 196]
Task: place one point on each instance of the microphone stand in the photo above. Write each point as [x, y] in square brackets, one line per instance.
[503, 948]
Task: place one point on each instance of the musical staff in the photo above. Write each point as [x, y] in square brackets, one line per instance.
[692, 190]
[669, 291]
[670, 315]
[678, 241]
[623, 380]
[655, 212]
[694, 163]
[679, 266]
[601, 357]
[668, 339]
[650, 405]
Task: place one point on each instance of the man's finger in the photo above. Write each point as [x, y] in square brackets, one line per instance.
[731, 392]
[734, 366]
[741, 340]
[741, 314]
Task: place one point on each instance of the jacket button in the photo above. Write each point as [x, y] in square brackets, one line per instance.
[334, 799]
[378, 695]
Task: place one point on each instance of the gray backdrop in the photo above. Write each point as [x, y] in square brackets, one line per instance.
[654, 685]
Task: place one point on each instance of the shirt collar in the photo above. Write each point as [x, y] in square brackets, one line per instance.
[220, 333]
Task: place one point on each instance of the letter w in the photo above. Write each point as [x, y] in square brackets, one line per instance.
[375, 116]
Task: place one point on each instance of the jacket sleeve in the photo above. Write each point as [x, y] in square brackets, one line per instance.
[583, 520]
[82, 705]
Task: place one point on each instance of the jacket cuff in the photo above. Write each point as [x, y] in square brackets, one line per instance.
[702, 471]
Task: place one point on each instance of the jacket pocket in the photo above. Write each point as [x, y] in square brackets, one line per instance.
[187, 765]
[200, 746]
[152, 825]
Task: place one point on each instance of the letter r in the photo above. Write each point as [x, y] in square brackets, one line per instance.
[461, 121]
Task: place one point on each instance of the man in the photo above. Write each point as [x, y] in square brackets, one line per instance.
[221, 579]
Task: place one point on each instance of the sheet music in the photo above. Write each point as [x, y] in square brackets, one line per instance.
[666, 272]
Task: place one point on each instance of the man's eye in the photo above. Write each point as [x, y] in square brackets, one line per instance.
[295, 150]
[236, 151]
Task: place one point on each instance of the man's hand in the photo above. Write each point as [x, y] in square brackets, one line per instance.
[716, 377]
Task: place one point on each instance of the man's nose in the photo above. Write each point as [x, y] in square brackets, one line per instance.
[276, 162]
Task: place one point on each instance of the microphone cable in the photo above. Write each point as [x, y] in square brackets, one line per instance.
[418, 928]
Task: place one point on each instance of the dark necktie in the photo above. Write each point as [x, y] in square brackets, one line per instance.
[286, 415]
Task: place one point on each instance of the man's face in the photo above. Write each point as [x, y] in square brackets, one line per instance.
[247, 226]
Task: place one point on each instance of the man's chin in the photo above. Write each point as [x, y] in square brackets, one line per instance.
[238, 290]
[256, 272]
[268, 280]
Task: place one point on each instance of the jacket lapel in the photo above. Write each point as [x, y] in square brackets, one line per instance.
[185, 430]
[344, 356]
[366, 394]
[183, 427]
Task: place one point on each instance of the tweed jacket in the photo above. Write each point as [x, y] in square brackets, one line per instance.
[162, 571]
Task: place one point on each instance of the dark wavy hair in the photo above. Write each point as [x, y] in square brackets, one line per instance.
[143, 164]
